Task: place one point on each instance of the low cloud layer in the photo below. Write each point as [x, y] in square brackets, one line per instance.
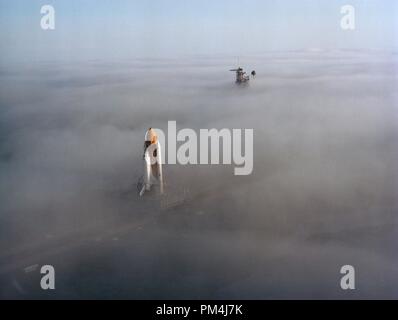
[323, 192]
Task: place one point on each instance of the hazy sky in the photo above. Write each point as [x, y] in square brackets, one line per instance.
[123, 29]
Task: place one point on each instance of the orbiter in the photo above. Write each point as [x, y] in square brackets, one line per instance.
[153, 174]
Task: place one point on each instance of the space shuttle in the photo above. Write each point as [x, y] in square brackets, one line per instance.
[153, 174]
